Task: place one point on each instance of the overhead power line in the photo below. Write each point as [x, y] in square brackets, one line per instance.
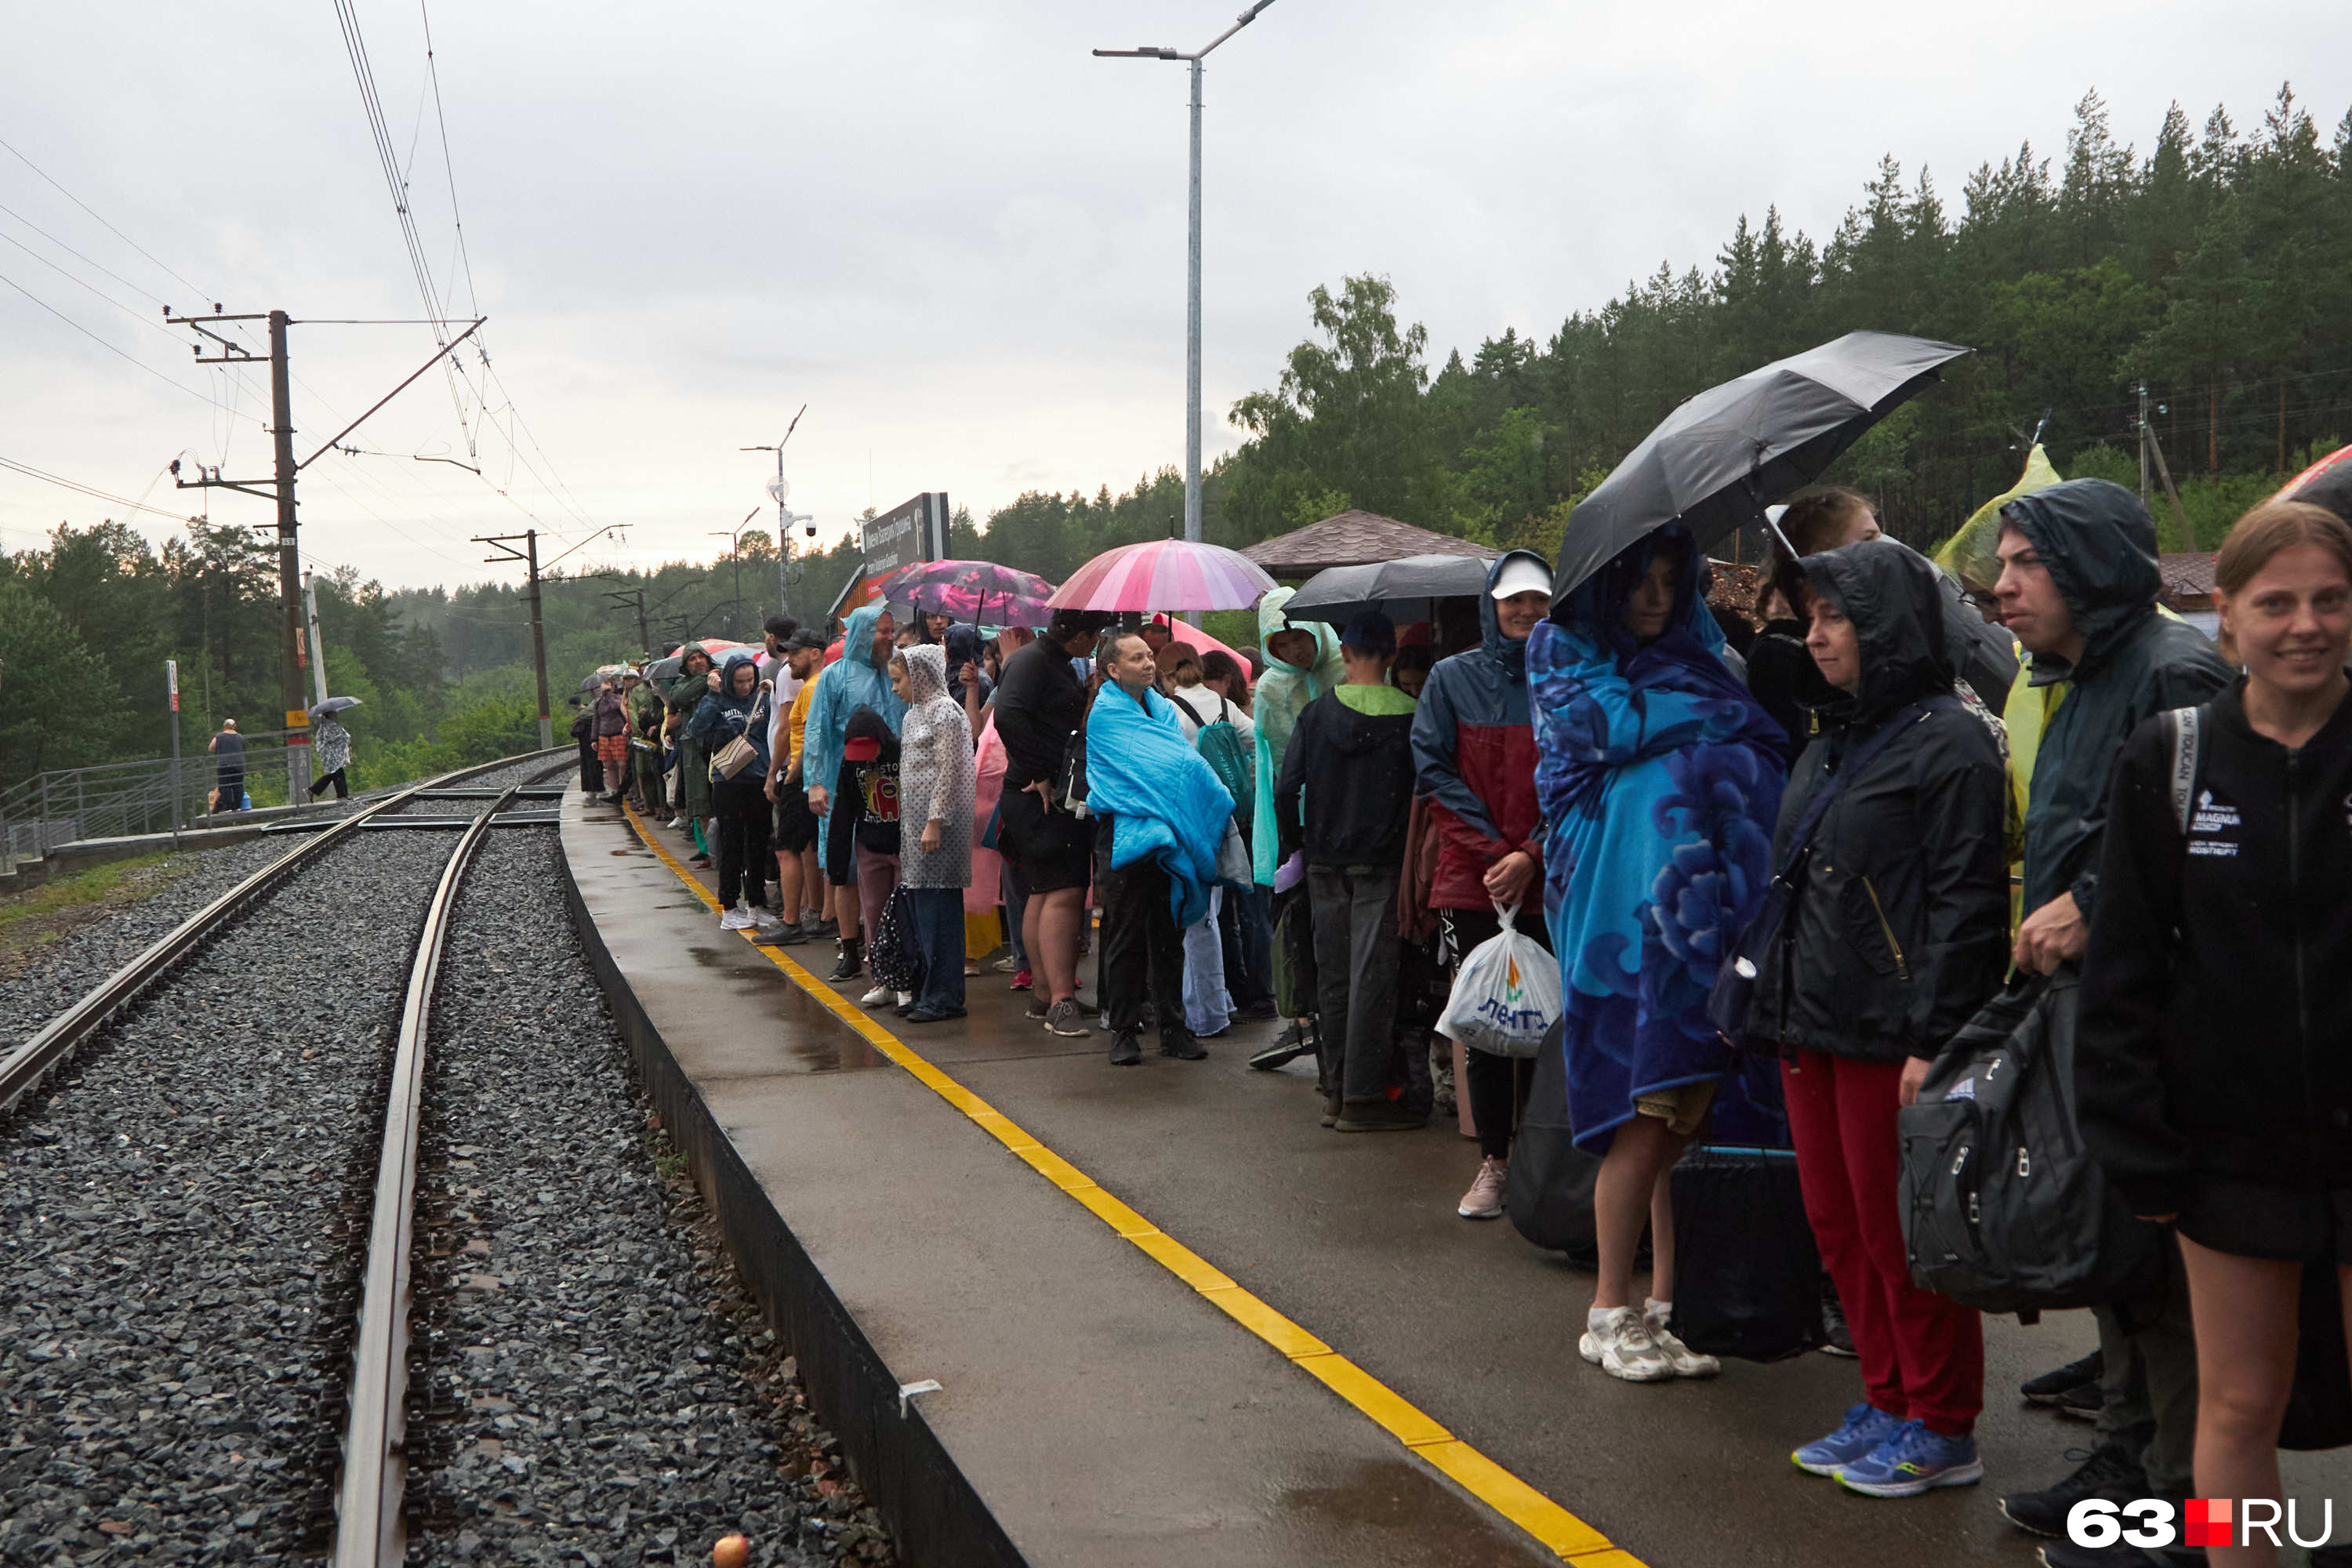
[59, 480]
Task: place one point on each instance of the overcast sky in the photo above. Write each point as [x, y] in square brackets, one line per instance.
[946, 229]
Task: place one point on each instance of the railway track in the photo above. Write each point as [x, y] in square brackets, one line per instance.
[245, 1391]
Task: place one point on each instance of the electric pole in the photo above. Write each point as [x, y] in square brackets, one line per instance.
[2143, 443]
[280, 488]
[317, 646]
[529, 556]
[633, 598]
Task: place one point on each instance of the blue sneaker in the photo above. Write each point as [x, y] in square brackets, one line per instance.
[1866, 1427]
[1913, 1460]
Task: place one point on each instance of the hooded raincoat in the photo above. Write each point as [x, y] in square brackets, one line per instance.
[850, 683]
[683, 696]
[936, 776]
[2099, 544]
[1660, 777]
[722, 716]
[1281, 695]
[1899, 927]
[1474, 757]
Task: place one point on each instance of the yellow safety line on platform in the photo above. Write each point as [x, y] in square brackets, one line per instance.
[1560, 1531]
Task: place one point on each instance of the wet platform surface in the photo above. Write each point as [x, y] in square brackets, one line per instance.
[1108, 1415]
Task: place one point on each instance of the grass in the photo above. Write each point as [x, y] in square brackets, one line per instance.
[33, 918]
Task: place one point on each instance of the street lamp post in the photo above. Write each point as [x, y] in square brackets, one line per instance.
[1192, 254]
[779, 490]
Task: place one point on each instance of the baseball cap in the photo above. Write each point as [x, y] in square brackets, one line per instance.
[1520, 574]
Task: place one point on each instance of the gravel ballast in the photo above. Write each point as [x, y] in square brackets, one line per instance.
[594, 1385]
[182, 1216]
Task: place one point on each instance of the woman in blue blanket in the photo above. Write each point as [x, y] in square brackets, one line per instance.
[1160, 814]
[1659, 778]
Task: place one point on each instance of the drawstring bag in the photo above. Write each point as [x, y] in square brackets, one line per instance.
[1506, 995]
[1747, 1277]
[895, 961]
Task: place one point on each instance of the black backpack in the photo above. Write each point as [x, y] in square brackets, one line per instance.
[2004, 1209]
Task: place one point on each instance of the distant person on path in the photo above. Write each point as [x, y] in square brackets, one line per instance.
[331, 743]
[644, 705]
[1039, 708]
[583, 739]
[1303, 664]
[793, 834]
[1351, 757]
[937, 780]
[227, 748]
[861, 834]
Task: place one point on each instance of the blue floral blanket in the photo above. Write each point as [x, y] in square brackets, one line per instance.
[1660, 780]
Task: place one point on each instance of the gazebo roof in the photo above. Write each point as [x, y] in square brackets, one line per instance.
[1356, 538]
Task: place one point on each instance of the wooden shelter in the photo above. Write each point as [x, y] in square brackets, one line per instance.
[1356, 538]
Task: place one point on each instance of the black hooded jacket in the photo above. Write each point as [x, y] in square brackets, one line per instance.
[1354, 771]
[1899, 927]
[2100, 546]
[2215, 1038]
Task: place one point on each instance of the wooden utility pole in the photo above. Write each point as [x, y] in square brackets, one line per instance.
[529, 556]
[280, 488]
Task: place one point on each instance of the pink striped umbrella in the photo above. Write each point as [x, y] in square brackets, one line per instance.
[1164, 574]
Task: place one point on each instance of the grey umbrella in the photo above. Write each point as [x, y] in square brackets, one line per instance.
[333, 705]
[1406, 589]
[1719, 458]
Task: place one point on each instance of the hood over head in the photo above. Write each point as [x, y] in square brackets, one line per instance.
[1271, 619]
[857, 635]
[735, 661]
[1596, 606]
[687, 654]
[963, 644]
[1892, 596]
[2100, 546]
[927, 672]
[1511, 656]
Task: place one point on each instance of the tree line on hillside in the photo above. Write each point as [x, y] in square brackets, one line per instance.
[2216, 269]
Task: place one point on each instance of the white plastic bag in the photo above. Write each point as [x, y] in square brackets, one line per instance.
[1506, 995]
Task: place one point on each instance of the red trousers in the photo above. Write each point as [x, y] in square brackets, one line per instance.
[1922, 1355]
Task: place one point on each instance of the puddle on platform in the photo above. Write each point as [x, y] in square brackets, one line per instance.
[1394, 1504]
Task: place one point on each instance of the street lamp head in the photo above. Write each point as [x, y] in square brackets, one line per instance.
[1147, 52]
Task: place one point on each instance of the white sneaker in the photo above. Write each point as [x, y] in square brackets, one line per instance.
[1484, 1198]
[906, 998]
[881, 996]
[677, 821]
[1621, 1347]
[737, 918]
[1686, 1361]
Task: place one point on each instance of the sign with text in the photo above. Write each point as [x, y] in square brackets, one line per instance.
[914, 530]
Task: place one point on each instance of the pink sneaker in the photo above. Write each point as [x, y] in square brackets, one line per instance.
[1021, 981]
[1484, 1198]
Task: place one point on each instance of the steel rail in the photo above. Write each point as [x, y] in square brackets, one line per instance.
[24, 1068]
[369, 1531]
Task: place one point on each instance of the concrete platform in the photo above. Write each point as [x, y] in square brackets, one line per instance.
[1095, 1408]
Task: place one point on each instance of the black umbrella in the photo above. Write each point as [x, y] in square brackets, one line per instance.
[1719, 458]
[1404, 590]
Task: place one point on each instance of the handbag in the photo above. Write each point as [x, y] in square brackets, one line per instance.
[1760, 939]
[1234, 869]
[740, 754]
[895, 960]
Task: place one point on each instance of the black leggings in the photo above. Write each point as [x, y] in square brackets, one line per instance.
[342, 790]
[1497, 1085]
[744, 859]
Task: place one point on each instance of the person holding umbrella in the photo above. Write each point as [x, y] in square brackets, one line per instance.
[331, 745]
[1659, 777]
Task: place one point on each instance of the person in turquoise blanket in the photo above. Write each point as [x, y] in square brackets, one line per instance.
[1162, 812]
[1660, 781]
